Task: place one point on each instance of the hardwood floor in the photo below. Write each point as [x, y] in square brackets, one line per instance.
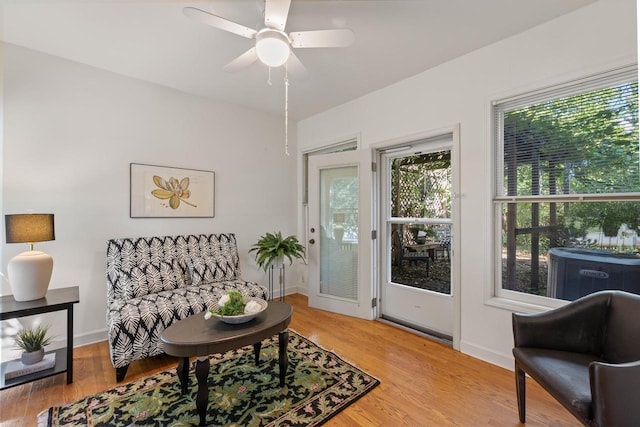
[423, 383]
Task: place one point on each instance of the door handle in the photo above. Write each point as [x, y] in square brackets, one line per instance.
[312, 241]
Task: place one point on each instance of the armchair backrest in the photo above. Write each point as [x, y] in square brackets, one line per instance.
[622, 339]
[579, 326]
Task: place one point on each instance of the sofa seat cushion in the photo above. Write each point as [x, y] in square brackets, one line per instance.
[135, 324]
[248, 289]
[571, 370]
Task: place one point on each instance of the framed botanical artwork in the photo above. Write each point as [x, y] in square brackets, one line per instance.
[164, 192]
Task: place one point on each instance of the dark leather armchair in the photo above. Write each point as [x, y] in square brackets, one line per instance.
[586, 354]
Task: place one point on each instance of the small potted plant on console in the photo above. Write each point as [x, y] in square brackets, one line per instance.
[32, 341]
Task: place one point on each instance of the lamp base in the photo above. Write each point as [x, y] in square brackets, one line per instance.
[29, 275]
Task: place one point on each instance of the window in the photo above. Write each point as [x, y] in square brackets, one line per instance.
[349, 145]
[567, 189]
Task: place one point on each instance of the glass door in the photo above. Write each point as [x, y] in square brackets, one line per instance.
[339, 234]
[418, 225]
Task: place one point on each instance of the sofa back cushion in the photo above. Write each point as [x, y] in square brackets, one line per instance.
[622, 342]
[146, 265]
[212, 258]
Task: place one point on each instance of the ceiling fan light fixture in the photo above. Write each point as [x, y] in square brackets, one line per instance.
[272, 47]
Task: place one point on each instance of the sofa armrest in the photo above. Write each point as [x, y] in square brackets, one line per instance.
[614, 393]
[576, 327]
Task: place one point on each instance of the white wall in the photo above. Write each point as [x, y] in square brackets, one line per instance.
[594, 38]
[70, 132]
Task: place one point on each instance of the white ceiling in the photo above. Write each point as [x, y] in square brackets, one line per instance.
[156, 42]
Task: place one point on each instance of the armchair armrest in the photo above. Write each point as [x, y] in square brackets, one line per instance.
[577, 327]
[614, 393]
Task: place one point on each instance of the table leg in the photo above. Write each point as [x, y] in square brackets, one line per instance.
[256, 351]
[70, 344]
[183, 374]
[283, 357]
[202, 398]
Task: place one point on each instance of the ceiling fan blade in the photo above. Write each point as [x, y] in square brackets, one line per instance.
[275, 13]
[295, 67]
[322, 38]
[218, 22]
[247, 58]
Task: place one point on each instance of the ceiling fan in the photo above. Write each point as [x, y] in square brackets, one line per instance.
[272, 44]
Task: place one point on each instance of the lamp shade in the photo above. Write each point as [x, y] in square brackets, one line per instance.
[29, 272]
[29, 228]
[272, 47]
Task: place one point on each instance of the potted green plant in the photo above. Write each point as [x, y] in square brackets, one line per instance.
[32, 341]
[272, 247]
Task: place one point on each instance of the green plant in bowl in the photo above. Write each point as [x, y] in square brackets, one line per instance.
[231, 304]
[234, 308]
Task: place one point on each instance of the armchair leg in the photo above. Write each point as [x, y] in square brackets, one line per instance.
[121, 372]
[520, 392]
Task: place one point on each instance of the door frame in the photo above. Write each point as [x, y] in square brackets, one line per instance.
[454, 132]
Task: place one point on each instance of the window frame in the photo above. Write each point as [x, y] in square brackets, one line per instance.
[511, 299]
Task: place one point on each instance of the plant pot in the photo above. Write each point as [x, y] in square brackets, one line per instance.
[32, 357]
[277, 263]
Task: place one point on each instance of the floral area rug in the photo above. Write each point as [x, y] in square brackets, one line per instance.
[319, 384]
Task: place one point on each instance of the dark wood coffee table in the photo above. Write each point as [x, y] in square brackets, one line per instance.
[196, 336]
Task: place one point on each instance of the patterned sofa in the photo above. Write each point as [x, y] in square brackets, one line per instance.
[155, 281]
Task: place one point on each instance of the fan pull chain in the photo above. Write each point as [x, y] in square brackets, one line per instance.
[286, 109]
[269, 79]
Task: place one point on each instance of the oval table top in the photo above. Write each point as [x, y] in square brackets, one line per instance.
[197, 336]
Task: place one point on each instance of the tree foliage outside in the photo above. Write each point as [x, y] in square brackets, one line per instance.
[421, 186]
[343, 202]
[587, 145]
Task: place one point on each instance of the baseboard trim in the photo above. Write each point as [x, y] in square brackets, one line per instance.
[490, 356]
[287, 291]
[90, 337]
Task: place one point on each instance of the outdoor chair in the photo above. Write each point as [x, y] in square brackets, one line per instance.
[444, 246]
[444, 240]
[586, 354]
[404, 253]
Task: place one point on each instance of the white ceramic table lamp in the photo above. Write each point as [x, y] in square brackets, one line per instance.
[29, 272]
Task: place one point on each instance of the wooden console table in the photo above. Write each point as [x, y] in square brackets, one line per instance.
[55, 300]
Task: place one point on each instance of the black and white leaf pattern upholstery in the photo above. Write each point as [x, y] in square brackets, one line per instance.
[155, 281]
